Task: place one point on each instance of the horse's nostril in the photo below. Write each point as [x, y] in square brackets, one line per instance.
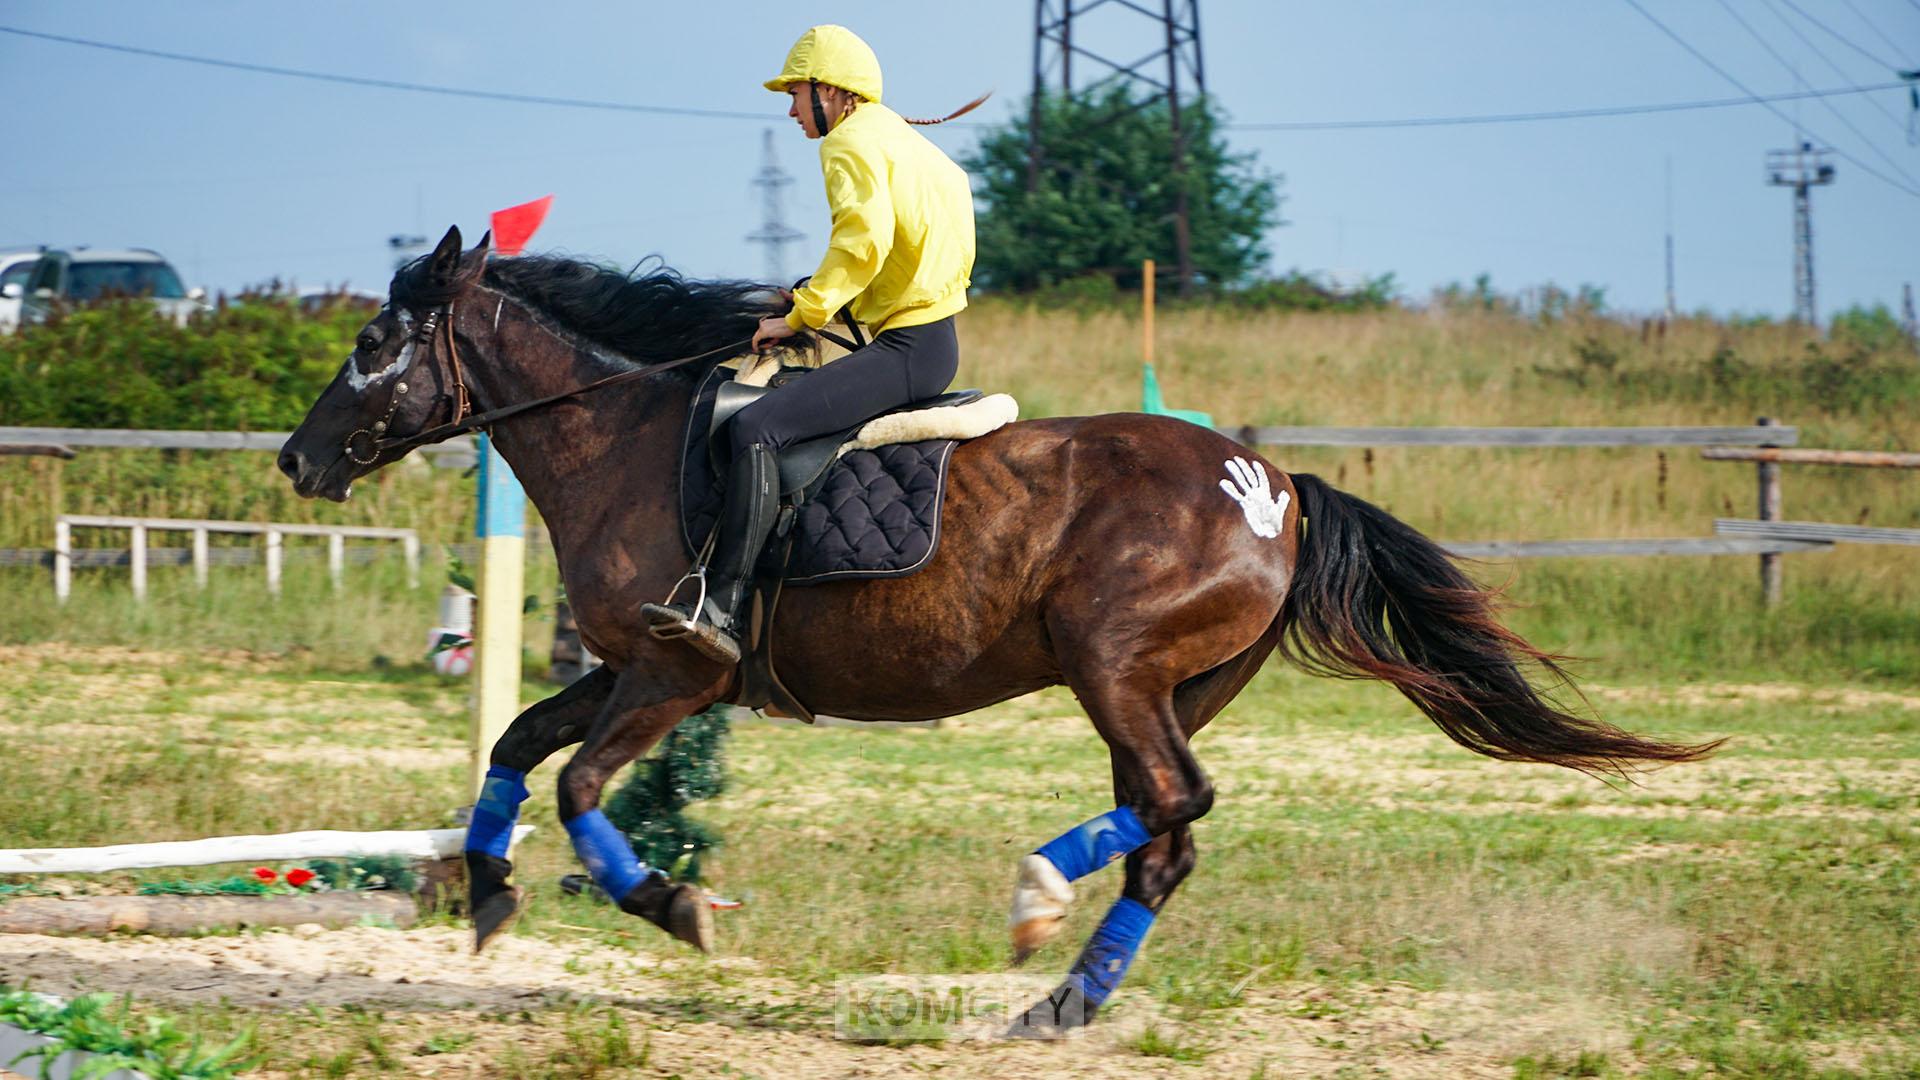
[290, 464]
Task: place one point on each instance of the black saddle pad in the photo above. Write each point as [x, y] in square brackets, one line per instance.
[872, 514]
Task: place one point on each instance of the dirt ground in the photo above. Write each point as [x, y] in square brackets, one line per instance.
[427, 981]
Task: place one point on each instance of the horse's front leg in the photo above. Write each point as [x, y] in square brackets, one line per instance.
[541, 731]
[643, 708]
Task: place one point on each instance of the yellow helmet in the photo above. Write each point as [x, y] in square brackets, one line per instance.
[833, 55]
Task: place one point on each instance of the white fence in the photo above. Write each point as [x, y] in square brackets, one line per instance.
[336, 535]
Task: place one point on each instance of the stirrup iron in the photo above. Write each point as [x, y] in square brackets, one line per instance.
[668, 629]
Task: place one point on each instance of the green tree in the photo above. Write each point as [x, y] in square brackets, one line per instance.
[650, 807]
[1106, 191]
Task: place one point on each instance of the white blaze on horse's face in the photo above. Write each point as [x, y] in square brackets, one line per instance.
[1247, 485]
[358, 381]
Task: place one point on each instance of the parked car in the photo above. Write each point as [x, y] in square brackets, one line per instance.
[85, 274]
[16, 265]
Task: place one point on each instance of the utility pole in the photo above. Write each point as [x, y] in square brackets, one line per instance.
[403, 248]
[774, 233]
[1802, 170]
[1910, 323]
[1174, 39]
[1670, 304]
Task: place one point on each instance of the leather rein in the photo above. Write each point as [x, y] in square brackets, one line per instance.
[377, 441]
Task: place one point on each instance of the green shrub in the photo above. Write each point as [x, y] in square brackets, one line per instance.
[255, 364]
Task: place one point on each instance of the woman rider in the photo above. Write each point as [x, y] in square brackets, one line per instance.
[900, 256]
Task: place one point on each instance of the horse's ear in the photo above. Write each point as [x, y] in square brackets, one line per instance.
[444, 264]
[474, 263]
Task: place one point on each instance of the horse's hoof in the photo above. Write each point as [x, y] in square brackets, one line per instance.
[1041, 895]
[495, 914]
[690, 917]
[681, 910]
[1056, 1016]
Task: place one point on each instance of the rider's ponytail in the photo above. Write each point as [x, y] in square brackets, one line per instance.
[961, 111]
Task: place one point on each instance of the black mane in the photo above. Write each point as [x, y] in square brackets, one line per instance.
[647, 315]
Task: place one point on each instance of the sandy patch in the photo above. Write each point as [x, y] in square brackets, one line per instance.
[698, 1022]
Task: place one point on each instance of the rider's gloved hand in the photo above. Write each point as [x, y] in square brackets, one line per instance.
[773, 328]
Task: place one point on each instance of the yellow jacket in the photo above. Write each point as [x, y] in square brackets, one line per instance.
[902, 246]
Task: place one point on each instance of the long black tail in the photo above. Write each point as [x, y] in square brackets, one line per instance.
[1374, 599]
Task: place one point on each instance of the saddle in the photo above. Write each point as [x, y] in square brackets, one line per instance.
[802, 465]
[858, 503]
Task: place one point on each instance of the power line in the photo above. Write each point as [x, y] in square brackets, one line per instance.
[389, 84]
[1838, 36]
[1727, 75]
[1862, 16]
[1815, 49]
[723, 114]
[1828, 105]
[1563, 114]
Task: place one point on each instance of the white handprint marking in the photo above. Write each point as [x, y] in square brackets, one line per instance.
[1247, 485]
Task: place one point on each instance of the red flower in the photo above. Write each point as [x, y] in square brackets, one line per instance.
[264, 874]
[299, 876]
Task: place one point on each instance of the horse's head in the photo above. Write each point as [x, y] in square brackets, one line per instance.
[400, 379]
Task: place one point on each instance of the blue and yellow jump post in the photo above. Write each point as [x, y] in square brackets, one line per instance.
[501, 525]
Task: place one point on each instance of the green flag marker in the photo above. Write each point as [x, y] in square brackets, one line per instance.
[1151, 402]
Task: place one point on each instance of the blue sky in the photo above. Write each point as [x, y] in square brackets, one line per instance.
[243, 177]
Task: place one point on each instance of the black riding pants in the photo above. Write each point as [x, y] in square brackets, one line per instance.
[897, 367]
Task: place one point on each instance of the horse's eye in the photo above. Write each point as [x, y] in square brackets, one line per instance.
[369, 344]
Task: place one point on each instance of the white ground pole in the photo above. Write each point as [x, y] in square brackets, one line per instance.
[318, 844]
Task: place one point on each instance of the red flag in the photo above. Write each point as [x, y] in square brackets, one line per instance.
[515, 225]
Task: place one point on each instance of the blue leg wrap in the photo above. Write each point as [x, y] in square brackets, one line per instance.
[1080, 851]
[1103, 963]
[609, 858]
[490, 829]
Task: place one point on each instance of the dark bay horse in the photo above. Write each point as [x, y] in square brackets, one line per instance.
[1149, 564]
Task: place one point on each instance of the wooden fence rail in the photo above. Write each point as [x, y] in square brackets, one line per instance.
[1251, 435]
[1758, 435]
[1816, 531]
[454, 453]
[1872, 459]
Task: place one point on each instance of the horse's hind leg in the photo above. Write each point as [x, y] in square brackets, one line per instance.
[536, 734]
[642, 710]
[1154, 870]
[1162, 789]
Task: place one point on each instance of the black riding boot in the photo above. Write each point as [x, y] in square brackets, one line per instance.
[753, 500]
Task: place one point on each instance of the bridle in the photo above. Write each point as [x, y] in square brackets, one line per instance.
[462, 401]
[464, 419]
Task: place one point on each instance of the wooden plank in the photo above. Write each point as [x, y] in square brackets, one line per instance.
[1873, 459]
[36, 450]
[1817, 530]
[150, 439]
[1513, 436]
[315, 844]
[197, 914]
[1556, 549]
[115, 521]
